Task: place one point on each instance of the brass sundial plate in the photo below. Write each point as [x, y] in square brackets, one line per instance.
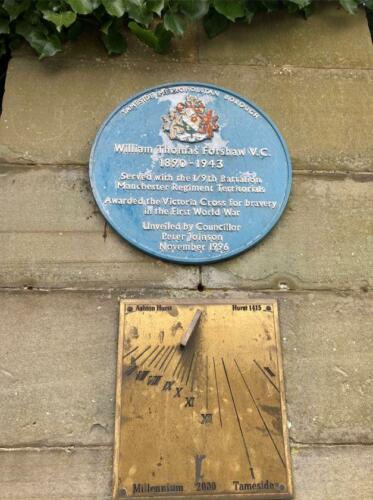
[207, 419]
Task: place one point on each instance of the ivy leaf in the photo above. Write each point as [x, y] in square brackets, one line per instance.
[255, 6]
[53, 5]
[301, 4]
[308, 10]
[349, 5]
[369, 4]
[4, 26]
[146, 36]
[164, 39]
[303, 7]
[137, 10]
[273, 5]
[83, 6]
[34, 16]
[115, 8]
[60, 19]
[75, 30]
[44, 43]
[174, 23]
[291, 7]
[249, 16]
[15, 7]
[114, 41]
[155, 6]
[106, 26]
[230, 9]
[194, 9]
[214, 23]
[158, 40]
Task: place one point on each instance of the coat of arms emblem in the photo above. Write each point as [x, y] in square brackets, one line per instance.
[190, 121]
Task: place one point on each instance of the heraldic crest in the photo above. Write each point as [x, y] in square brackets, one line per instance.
[190, 121]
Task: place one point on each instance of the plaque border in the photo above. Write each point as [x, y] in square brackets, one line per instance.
[123, 301]
[174, 259]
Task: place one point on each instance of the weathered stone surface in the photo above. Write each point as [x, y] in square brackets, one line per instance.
[47, 199]
[52, 235]
[58, 349]
[327, 345]
[329, 39]
[321, 242]
[58, 368]
[333, 473]
[58, 352]
[315, 110]
[90, 48]
[56, 474]
[320, 473]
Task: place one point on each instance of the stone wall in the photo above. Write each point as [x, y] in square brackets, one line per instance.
[62, 268]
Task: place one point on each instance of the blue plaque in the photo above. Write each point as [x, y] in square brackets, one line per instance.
[190, 172]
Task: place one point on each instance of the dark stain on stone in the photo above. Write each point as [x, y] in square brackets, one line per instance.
[127, 344]
[271, 410]
[134, 333]
[175, 327]
[174, 311]
[161, 336]
[276, 420]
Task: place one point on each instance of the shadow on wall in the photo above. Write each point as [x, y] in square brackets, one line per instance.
[3, 69]
[370, 22]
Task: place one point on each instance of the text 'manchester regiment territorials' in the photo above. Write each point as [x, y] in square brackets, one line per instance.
[190, 172]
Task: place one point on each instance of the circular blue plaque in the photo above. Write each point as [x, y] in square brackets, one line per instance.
[190, 172]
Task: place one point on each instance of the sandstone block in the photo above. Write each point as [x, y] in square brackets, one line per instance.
[59, 362]
[330, 38]
[331, 473]
[52, 234]
[72, 474]
[316, 110]
[321, 242]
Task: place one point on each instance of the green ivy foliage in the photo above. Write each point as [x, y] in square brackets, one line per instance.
[47, 24]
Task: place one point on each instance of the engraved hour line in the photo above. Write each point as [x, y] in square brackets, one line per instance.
[180, 368]
[260, 414]
[130, 352]
[194, 373]
[238, 421]
[266, 376]
[193, 370]
[150, 355]
[143, 352]
[156, 356]
[133, 366]
[183, 370]
[170, 359]
[182, 373]
[217, 393]
[164, 355]
[178, 363]
[190, 368]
